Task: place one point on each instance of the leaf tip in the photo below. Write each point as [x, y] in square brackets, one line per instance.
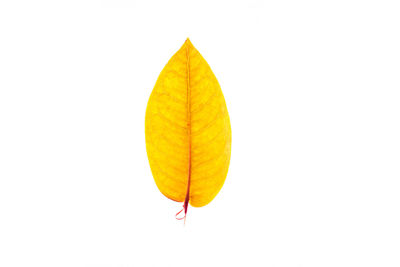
[188, 42]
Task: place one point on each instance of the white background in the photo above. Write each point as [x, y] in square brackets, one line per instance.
[312, 88]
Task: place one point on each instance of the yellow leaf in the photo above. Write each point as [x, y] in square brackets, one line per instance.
[188, 133]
